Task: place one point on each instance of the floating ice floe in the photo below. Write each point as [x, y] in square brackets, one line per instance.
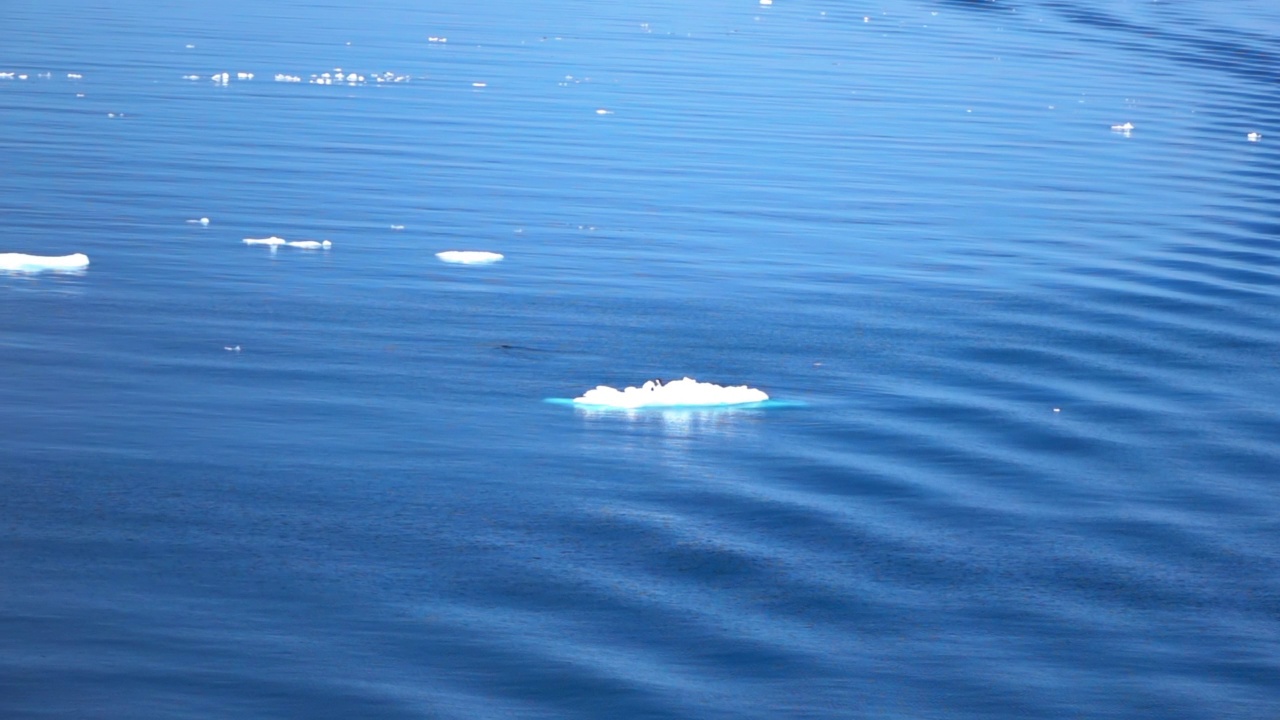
[469, 257]
[685, 392]
[21, 262]
[1126, 128]
[272, 241]
[75, 76]
[199, 221]
[1254, 136]
[602, 111]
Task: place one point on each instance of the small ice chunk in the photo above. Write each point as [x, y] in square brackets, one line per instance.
[21, 262]
[469, 257]
[311, 244]
[1254, 136]
[397, 227]
[231, 348]
[685, 392]
[272, 241]
[766, 2]
[244, 76]
[75, 76]
[200, 221]
[602, 111]
[479, 84]
[1123, 128]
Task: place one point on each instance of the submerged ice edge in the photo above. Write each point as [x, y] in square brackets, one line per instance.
[22, 262]
[683, 393]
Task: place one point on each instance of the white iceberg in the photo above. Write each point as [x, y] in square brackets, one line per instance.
[272, 241]
[21, 262]
[469, 257]
[685, 392]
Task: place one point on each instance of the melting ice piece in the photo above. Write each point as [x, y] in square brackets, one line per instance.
[310, 244]
[677, 393]
[200, 221]
[22, 262]
[469, 257]
[272, 241]
[1125, 128]
[1254, 136]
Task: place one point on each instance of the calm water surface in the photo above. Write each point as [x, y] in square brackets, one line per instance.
[1032, 471]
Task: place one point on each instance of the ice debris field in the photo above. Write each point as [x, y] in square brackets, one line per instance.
[683, 393]
[21, 262]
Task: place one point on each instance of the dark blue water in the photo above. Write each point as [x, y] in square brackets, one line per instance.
[1030, 471]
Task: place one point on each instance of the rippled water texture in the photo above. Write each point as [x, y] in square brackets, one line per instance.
[1022, 461]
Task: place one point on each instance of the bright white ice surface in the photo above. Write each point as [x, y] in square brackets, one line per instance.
[273, 240]
[310, 244]
[31, 263]
[681, 393]
[469, 257]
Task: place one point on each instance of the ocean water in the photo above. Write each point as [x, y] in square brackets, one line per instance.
[1028, 464]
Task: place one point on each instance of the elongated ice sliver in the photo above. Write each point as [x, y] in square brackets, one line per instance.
[273, 240]
[33, 263]
[469, 257]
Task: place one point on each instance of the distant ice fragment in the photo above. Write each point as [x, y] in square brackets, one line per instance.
[685, 392]
[1125, 128]
[397, 227]
[21, 262]
[602, 111]
[272, 241]
[75, 76]
[200, 221]
[479, 84]
[1254, 136]
[310, 244]
[469, 257]
[231, 348]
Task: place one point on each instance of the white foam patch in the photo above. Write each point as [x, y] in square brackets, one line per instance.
[469, 257]
[685, 392]
[21, 262]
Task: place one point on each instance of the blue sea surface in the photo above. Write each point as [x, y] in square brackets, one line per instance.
[1027, 458]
